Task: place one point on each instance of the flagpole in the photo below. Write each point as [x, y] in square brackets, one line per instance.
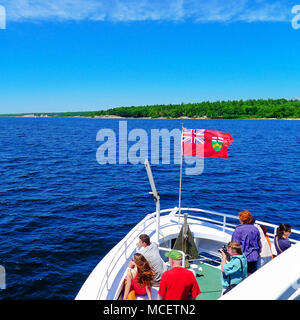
[180, 180]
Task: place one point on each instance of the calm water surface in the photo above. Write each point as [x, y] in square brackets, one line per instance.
[61, 211]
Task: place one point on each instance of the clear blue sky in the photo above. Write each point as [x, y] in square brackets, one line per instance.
[80, 55]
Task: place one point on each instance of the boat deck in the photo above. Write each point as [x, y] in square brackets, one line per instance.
[209, 280]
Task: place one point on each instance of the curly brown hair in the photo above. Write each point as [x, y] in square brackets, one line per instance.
[245, 217]
[145, 274]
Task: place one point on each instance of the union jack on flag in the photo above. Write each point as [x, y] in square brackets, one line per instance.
[205, 143]
[193, 141]
[193, 135]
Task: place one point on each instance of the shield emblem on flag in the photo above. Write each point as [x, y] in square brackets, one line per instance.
[217, 143]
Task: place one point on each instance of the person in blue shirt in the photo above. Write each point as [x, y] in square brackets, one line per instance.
[235, 270]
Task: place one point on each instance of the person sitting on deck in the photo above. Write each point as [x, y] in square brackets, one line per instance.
[281, 241]
[138, 278]
[150, 251]
[235, 270]
[177, 283]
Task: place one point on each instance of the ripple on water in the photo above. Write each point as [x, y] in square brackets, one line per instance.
[61, 211]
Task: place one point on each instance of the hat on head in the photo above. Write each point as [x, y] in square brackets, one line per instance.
[174, 254]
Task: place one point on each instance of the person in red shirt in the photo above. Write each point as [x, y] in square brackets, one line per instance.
[177, 283]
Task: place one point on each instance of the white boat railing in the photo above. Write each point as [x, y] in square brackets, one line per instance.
[169, 250]
[231, 226]
[122, 251]
[122, 247]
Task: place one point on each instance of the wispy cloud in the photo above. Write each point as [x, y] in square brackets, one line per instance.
[199, 11]
[2, 17]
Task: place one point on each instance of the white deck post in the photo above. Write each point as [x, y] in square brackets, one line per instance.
[156, 198]
[224, 223]
[157, 218]
[180, 179]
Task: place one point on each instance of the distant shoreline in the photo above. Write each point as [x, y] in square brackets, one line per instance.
[118, 117]
[268, 109]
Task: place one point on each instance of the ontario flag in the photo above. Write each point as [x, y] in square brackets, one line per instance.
[205, 143]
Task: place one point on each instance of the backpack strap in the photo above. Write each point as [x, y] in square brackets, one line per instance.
[276, 239]
[229, 278]
[241, 266]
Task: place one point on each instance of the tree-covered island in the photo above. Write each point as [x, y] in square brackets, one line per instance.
[235, 109]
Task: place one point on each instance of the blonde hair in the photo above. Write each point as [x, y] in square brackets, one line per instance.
[235, 246]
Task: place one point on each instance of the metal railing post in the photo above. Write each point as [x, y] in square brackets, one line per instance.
[224, 223]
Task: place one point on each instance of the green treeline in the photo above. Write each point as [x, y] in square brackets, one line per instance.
[242, 109]
[280, 108]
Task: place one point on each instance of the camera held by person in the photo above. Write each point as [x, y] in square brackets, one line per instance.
[224, 250]
[235, 269]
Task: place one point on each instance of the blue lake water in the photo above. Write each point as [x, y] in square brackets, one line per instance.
[61, 211]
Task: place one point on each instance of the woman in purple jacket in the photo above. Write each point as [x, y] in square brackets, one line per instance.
[249, 238]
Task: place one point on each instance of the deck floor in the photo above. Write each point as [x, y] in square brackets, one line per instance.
[209, 280]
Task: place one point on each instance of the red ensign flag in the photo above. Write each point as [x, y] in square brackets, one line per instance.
[205, 143]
